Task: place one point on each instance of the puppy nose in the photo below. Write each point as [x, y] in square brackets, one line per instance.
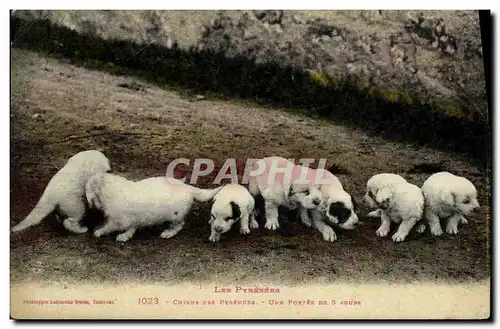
[218, 229]
[316, 202]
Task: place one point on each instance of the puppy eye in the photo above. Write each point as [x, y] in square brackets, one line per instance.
[466, 201]
[370, 194]
[306, 192]
[228, 219]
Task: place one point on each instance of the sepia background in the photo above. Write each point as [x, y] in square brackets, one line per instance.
[371, 91]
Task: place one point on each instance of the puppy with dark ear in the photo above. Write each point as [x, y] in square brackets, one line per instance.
[402, 204]
[448, 196]
[337, 207]
[233, 203]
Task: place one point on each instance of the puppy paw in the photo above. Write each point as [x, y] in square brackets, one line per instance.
[122, 237]
[421, 229]
[214, 237]
[374, 214]
[272, 225]
[80, 230]
[167, 234]
[397, 237]
[244, 230]
[307, 222]
[451, 229]
[463, 220]
[382, 231]
[74, 227]
[436, 230]
[254, 224]
[329, 235]
[97, 233]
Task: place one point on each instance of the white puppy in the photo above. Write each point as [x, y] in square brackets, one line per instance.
[337, 206]
[232, 203]
[448, 196]
[65, 192]
[401, 203]
[279, 182]
[375, 183]
[130, 205]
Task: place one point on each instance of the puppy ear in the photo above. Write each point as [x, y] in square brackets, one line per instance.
[383, 198]
[384, 204]
[339, 210]
[290, 191]
[236, 210]
[449, 198]
[354, 203]
[332, 209]
[372, 194]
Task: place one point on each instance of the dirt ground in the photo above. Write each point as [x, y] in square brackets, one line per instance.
[58, 109]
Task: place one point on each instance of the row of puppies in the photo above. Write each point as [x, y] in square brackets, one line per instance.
[442, 196]
[130, 205]
[127, 205]
[85, 182]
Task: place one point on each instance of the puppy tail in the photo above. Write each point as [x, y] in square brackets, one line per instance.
[93, 189]
[205, 195]
[42, 209]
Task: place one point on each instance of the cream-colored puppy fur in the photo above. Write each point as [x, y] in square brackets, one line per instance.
[280, 189]
[448, 196]
[400, 203]
[130, 205]
[337, 206]
[232, 203]
[65, 192]
[375, 183]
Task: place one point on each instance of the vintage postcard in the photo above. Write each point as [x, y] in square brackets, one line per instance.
[251, 164]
